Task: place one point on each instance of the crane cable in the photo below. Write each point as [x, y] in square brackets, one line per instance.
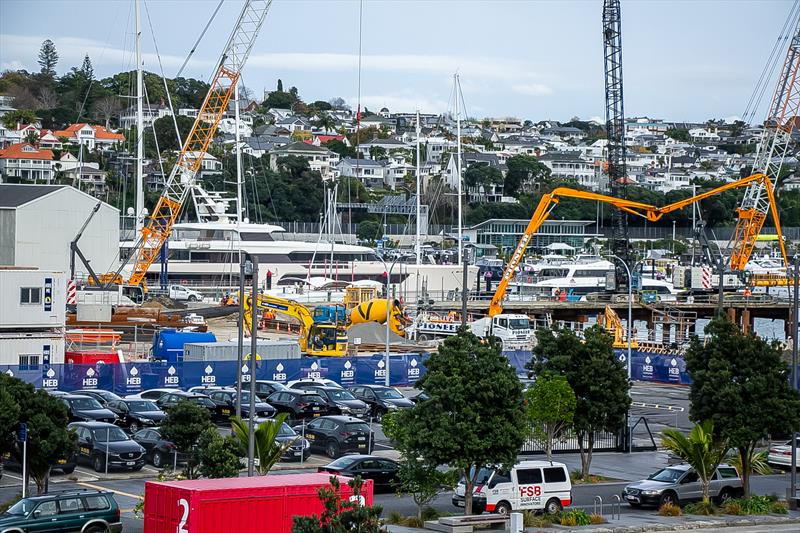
[200, 38]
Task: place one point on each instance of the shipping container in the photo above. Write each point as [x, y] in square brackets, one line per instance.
[168, 343]
[31, 349]
[31, 298]
[262, 504]
[228, 350]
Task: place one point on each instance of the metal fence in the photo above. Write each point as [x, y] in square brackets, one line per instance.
[604, 441]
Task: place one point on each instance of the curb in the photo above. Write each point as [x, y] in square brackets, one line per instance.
[697, 524]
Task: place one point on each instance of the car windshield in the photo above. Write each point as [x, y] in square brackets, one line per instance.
[667, 475]
[342, 462]
[246, 398]
[142, 406]
[340, 394]
[519, 323]
[286, 431]
[309, 398]
[85, 403]
[109, 435]
[21, 508]
[357, 427]
[388, 394]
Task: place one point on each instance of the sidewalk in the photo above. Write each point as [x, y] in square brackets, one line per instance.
[619, 466]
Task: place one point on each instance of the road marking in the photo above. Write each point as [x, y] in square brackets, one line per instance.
[658, 406]
[115, 491]
[13, 476]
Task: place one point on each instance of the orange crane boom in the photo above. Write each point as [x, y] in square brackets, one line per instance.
[649, 212]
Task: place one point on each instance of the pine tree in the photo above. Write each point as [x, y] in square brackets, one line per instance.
[86, 68]
[48, 58]
[280, 85]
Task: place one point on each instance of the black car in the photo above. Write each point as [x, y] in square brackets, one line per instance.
[85, 409]
[171, 399]
[300, 447]
[341, 401]
[102, 396]
[265, 388]
[99, 442]
[225, 400]
[65, 465]
[336, 435]
[158, 450]
[382, 471]
[136, 414]
[381, 399]
[299, 403]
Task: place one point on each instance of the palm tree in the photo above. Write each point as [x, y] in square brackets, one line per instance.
[702, 450]
[267, 449]
[326, 122]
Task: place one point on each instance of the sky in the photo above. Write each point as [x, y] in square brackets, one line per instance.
[533, 59]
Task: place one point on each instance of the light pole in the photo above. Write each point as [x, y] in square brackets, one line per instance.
[795, 342]
[630, 310]
[388, 315]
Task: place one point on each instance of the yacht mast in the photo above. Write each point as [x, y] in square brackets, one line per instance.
[239, 211]
[419, 192]
[139, 126]
[458, 160]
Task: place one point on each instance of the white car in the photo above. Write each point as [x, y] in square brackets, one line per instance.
[319, 382]
[150, 394]
[780, 455]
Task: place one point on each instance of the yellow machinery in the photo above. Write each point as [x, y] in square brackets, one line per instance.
[158, 225]
[354, 296]
[610, 320]
[649, 212]
[316, 339]
[375, 311]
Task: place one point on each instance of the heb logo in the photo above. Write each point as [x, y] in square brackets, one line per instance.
[348, 373]
[413, 371]
[90, 382]
[134, 380]
[530, 490]
[674, 371]
[381, 370]
[279, 374]
[172, 378]
[209, 378]
[50, 382]
[314, 372]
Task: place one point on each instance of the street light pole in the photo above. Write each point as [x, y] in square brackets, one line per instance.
[240, 349]
[795, 333]
[388, 315]
[251, 442]
[630, 310]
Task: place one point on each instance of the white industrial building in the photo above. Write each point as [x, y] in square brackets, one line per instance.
[38, 222]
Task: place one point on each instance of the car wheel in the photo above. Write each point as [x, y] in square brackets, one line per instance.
[553, 506]
[133, 427]
[669, 497]
[192, 298]
[95, 529]
[98, 464]
[158, 459]
[724, 495]
[332, 449]
[503, 508]
[67, 470]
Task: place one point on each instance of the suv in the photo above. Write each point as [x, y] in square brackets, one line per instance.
[102, 396]
[336, 435]
[87, 511]
[679, 484]
[86, 409]
[99, 443]
[171, 399]
[299, 403]
[135, 414]
[381, 399]
[158, 450]
[341, 401]
[225, 400]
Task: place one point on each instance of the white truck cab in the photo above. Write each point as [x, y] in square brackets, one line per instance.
[181, 293]
[514, 330]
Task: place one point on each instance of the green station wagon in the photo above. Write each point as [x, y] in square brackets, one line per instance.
[82, 511]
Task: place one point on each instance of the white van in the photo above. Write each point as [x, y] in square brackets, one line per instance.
[534, 485]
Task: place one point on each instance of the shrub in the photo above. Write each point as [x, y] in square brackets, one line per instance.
[732, 507]
[569, 520]
[575, 517]
[755, 505]
[429, 513]
[415, 521]
[531, 519]
[595, 518]
[780, 508]
[394, 518]
[669, 509]
[701, 508]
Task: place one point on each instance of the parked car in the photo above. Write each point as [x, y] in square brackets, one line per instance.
[66, 465]
[382, 471]
[102, 396]
[99, 442]
[150, 394]
[158, 450]
[298, 404]
[205, 389]
[335, 435]
[529, 485]
[87, 511]
[341, 401]
[265, 388]
[381, 399]
[135, 414]
[171, 400]
[84, 408]
[225, 400]
[780, 455]
[300, 447]
[301, 383]
[57, 393]
[679, 484]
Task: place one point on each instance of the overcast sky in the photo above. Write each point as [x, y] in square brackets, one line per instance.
[683, 60]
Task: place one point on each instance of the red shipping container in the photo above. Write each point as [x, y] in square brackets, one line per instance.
[261, 504]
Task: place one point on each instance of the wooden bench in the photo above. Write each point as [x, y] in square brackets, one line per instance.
[468, 523]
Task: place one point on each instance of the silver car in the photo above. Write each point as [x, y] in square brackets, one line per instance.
[679, 484]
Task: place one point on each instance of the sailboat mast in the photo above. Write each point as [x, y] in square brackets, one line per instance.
[458, 161]
[238, 157]
[419, 192]
[139, 125]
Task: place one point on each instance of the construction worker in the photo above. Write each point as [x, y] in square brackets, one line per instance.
[747, 292]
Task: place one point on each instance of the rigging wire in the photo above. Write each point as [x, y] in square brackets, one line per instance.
[200, 38]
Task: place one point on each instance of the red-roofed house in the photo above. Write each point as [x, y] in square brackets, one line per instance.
[27, 162]
[319, 140]
[90, 135]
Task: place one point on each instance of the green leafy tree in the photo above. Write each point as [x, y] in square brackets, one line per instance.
[31, 137]
[369, 231]
[378, 153]
[326, 122]
[339, 515]
[219, 456]
[480, 175]
[702, 450]
[46, 417]
[524, 172]
[551, 408]
[335, 145]
[740, 383]
[184, 424]
[48, 58]
[599, 380]
[474, 415]
[20, 116]
[268, 450]
[165, 133]
[679, 134]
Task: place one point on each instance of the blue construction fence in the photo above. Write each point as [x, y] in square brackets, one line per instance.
[134, 377]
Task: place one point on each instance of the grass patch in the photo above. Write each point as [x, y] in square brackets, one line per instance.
[414, 521]
[531, 519]
[575, 517]
[701, 508]
[575, 476]
[755, 505]
[595, 518]
[669, 509]
[395, 518]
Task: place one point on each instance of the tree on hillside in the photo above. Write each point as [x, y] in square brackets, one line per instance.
[107, 108]
[338, 103]
[31, 137]
[280, 86]
[165, 133]
[46, 417]
[679, 134]
[19, 116]
[599, 380]
[325, 122]
[740, 383]
[335, 145]
[480, 175]
[551, 406]
[524, 172]
[474, 415]
[87, 70]
[184, 424]
[48, 58]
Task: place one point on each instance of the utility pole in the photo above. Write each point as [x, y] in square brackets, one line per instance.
[251, 443]
[792, 496]
[240, 352]
[464, 289]
[418, 246]
[457, 91]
